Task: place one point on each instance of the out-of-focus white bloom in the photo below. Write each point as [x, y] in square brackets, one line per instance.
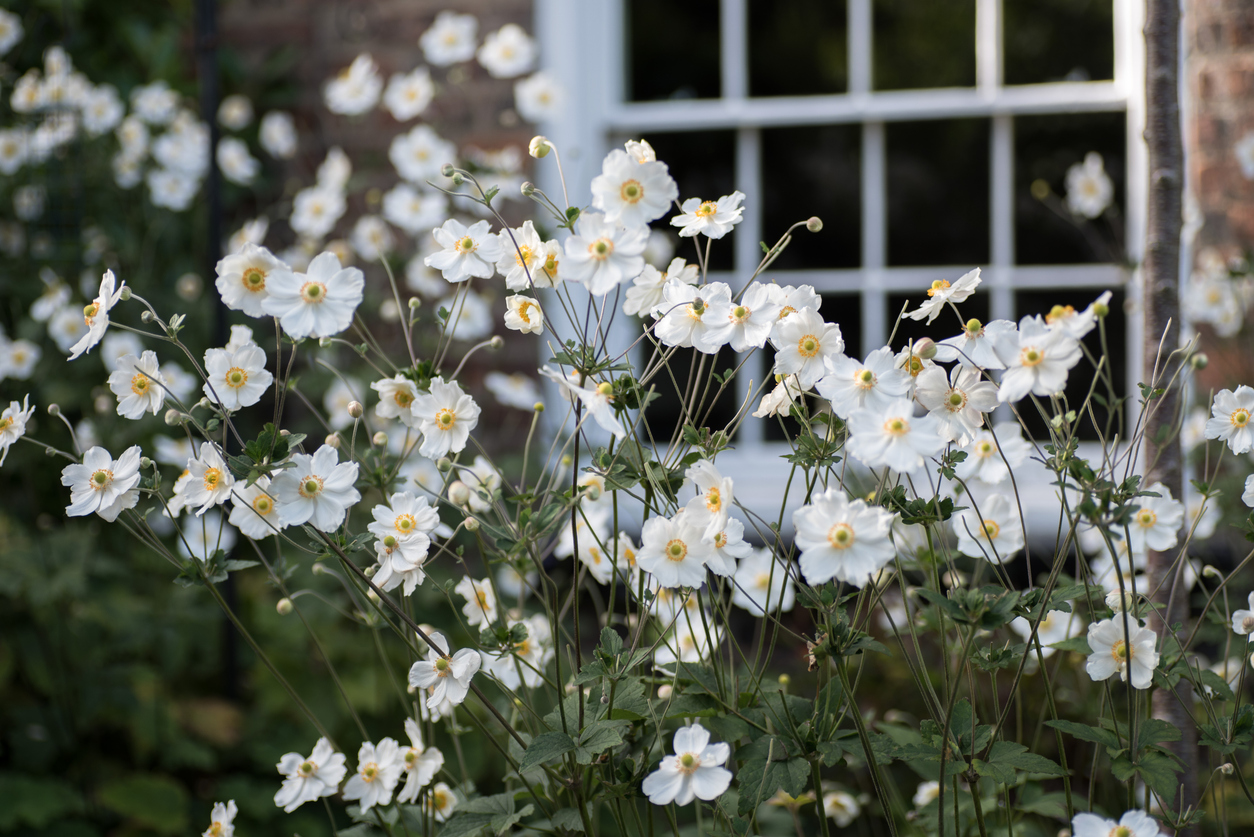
[13, 424]
[252, 232]
[356, 89]
[222, 820]
[441, 801]
[661, 246]
[841, 807]
[779, 400]
[13, 149]
[128, 171]
[102, 110]
[1089, 188]
[1112, 653]
[132, 134]
[1077, 323]
[633, 193]
[480, 608]
[118, 344]
[958, 402]
[235, 113]
[236, 163]
[236, 379]
[138, 384]
[450, 39]
[713, 219]
[420, 154]
[102, 485]
[470, 316]
[155, 103]
[1133, 823]
[184, 148]
[646, 292]
[597, 400]
[317, 303]
[691, 641]
[277, 134]
[315, 211]
[807, 346]
[309, 779]
[10, 31]
[201, 537]
[539, 97]
[66, 327]
[420, 763]
[96, 314]
[850, 385]
[1155, 521]
[27, 96]
[371, 238]
[1037, 360]
[990, 529]
[926, 792]
[976, 345]
[1243, 149]
[29, 202]
[695, 771]
[942, 292]
[253, 510]
[516, 390]
[530, 656]
[602, 255]
[524, 314]
[171, 189]
[1231, 413]
[763, 583]
[507, 52]
[18, 359]
[408, 94]
[1055, 627]
[467, 251]
[318, 490]
[842, 539]
[984, 460]
[413, 211]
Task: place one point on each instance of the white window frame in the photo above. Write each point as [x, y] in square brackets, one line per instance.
[584, 47]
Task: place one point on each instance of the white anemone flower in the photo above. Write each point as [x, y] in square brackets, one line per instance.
[96, 314]
[523, 314]
[779, 401]
[991, 455]
[1133, 823]
[694, 316]
[451, 39]
[690, 641]
[843, 539]
[807, 346]
[1231, 413]
[1077, 323]
[10, 31]
[318, 303]
[990, 529]
[841, 807]
[466, 252]
[714, 219]
[480, 608]
[601, 255]
[1156, 521]
[442, 801]
[1113, 652]
[598, 401]
[673, 551]
[171, 189]
[746, 323]
[522, 253]
[539, 97]
[874, 383]
[355, 89]
[413, 211]
[396, 399]
[632, 193]
[513, 390]
[762, 583]
[1247, 496]
[1243, 620]
[222, 820]
[976, 345]
[710, 508]
[507, 52]
[893, 436]
[695, 771]
[102, 110]
[379, 769]
[419, 763]
[445, 416]
[450, 674]
[236, 379]
[18, 359]
[957, 401]
[372, 238]
[403, 531]
[211, 480]
[470, 316]
[316, 210]
[277, 135]
[943, 292]
[253, 510]
[1089, 189]
[421, 154]
[646, 292]
[138, 384]
[317, 490]
[13, 423]
[309, 779]
[235, 113]
[235, 162]
[530, 656]
[409, 94]
[1055, 627]
[102, 484]
[1037, 360]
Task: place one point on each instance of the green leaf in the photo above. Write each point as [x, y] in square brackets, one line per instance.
[1153, 731]
[1217, 685]
[36, 802]
[567, 818]
[1010, 756]
[545, 747]
[466, 825]
[1078, 644]
[611, 642]
[155, 802]
[1159, 772]
[759, 779]
[599, 737]
[1084, 732]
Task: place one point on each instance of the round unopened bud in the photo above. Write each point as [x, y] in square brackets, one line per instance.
[323, 342]
[1210, 571]
[49, 452]
[458, 493]
[318, 568]
[496, 343]
[664, 691]
[814, 223]
[285, 433]
[785, 680]
[204, 403]
[925, 348]
[173, 417]
[447, 169]
[539, 147]
[1226, 768]
[144, 463]
[444, 464]
[528, 189]
[379, 439]
[371, 570]
[284, 606]
[332, 440]
[1199, 360]
[355, 409]
[1101, 309]
[472, 524]
[566, 460]
[124, 293]
[147, 317]
[458, 178]
[414, 303]
[1120, 602]
[55, 410]
[605, 388]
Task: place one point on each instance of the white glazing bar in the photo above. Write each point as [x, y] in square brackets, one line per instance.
[861, 43]
[874, 236]
[988, 46]
[734, 48]
[894, 279]
[1002, 186]
[748, 254]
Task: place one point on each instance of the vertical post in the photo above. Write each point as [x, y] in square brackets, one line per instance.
[1161, 299]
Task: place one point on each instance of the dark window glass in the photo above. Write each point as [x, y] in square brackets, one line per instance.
[672, 50]
[923, 43]
[703, 165]
[798, 47]
[818, 173]
[938, 192]
[947, 324]
[1046, 232]
[1058, 40]
[690, 376]
[1080, 378]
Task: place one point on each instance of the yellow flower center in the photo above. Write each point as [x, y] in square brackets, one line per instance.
[991, 529]
[1240, 418]
[310, 486]
[865, 378]
[1120, 651]
[631, 191]
[522, 312]
[5, 423]
[101, 479]
[411, 756]
[369, 772]
[1059, 312]
[939, 286]
[601, 249]
[985, 448]
[713, 500]
[439, 800]
[313, 292]
[263, 505]
[307, 768]
[405, 524]
[90, 311]
[914, 366]
[897, 426]
[216, 829]
[974, 328]
[139, 383]
[550, 266]
[254, 279]
[445, 419]
[403, 398]
[524, 256]
[1031, 356]
[688, 763]
[720, 540]
[840, 536]
[441, 667]
[466, 245]
[676, 550]
[211, 479]
[236, 377]
[1120, 831]
[762, 580]
[956, 401]
[706, 209]
[808, 345]
[594, 554]
[1146, 518]
[740, 313]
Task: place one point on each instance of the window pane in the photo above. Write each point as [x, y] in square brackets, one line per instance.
[798, 47]
[1046, 232]
[673, 50]
[923, 43]
[938, 192]
[689, 375]
[946, 325]
[1081, 377]
[703, 164]
[817, 172]
[1058, 40]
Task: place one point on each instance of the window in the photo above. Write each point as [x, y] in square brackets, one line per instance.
[915, 130]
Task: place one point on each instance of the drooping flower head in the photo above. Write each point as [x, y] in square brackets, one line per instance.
[96, 314]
